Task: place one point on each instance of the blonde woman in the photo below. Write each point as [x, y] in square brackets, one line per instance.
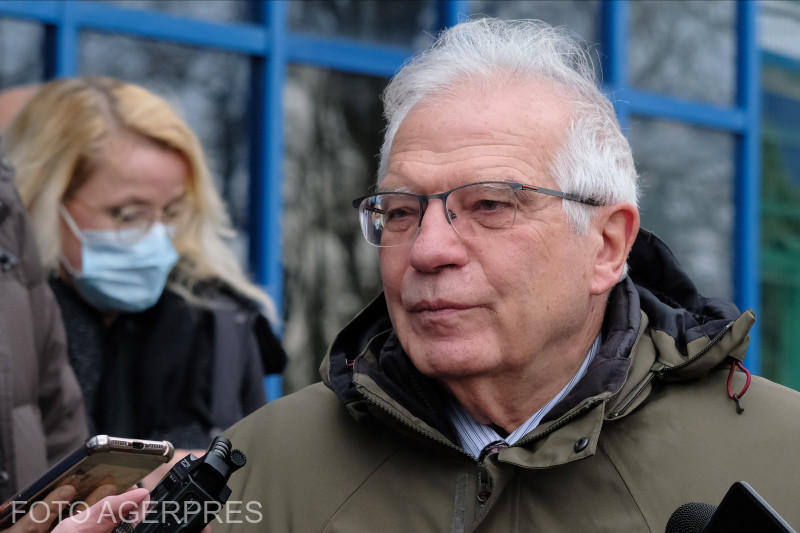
[167, 336]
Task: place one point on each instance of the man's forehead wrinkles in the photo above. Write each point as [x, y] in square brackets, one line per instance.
[489, 167]
[423, 149]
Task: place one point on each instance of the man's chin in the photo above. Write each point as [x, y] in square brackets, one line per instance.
[453, 360]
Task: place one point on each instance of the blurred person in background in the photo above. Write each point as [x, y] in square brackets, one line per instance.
[42, 417]
[41, 411]
[167, 336]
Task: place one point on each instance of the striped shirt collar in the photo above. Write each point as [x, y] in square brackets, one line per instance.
[474, 437]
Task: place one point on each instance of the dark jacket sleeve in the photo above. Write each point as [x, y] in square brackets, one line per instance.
[245, 350]
[273, 357]
[252, 393]
[264, 355]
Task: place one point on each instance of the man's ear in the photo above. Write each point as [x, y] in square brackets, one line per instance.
[617, 226]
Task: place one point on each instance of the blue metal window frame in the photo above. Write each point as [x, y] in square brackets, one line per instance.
[272, 47]
[741, 120]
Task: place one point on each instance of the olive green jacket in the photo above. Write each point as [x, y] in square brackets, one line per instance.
[650, 427]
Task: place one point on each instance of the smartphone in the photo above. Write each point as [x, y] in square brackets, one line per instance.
[744, 510]
[102, 460]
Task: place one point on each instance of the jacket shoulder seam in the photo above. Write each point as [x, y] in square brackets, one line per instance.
[377, 467]
[601, 449]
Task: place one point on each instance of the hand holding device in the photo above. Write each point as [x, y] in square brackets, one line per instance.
[103, 466]
[40, 519]
[105, 514]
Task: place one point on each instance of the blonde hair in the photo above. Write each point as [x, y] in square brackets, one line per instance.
[56, 141]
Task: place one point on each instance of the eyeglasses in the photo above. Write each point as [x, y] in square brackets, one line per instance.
[394, 218]
[133, 222]
[130, 223]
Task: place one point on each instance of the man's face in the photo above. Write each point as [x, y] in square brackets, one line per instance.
[495, 303]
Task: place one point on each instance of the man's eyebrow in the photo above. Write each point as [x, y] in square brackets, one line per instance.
[397, 188]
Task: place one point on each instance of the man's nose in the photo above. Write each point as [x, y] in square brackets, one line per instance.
[437, 244]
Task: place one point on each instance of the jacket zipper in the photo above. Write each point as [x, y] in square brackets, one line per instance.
[370, 397]
[563, 421]
[663, 370]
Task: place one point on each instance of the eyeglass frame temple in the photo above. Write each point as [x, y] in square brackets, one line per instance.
[565, 195]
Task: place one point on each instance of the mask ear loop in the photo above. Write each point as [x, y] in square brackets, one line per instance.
[73, 227]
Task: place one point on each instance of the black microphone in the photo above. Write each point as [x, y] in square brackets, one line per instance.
[690, 518]
[742, 510]
[190, 495]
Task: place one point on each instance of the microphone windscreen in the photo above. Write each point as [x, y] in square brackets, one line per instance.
[690, 518]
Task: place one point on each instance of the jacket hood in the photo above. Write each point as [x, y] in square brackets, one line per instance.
[690, 334]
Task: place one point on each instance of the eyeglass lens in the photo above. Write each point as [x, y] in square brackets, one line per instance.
[133, 222]
[394, 218]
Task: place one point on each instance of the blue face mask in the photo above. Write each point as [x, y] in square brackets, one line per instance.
[121, 277]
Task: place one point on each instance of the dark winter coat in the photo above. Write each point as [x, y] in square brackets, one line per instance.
[176, 371]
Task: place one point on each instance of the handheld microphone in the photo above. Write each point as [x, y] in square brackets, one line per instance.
[192, 492]
[742, 510]
[690, 518]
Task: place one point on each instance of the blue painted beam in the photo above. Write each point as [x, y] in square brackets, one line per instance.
[345, 55]
[266, 165]
[65, 42]
[240, 38]
[747, 224]
[272, 206]
[45, 10]
[670, 108]
[614, 35]
[450, 12]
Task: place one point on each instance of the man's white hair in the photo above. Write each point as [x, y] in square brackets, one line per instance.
[595, 159]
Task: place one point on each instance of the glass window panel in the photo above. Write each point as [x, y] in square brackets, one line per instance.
[210, 91]
[212, 10]
[780, 224]
[778, 26]
[400, 22]
[684, 49]
[21, 48]
[686, 184]
[580, 17]
[333, 131]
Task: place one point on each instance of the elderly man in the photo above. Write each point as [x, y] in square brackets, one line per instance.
[535, 362]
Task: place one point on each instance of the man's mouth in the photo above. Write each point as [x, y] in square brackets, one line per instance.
[437, 306]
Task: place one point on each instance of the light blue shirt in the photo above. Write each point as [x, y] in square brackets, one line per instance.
[474, 437]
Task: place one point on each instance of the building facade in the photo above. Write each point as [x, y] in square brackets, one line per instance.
[285, 97]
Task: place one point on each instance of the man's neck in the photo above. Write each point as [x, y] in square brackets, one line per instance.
[508, 400]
